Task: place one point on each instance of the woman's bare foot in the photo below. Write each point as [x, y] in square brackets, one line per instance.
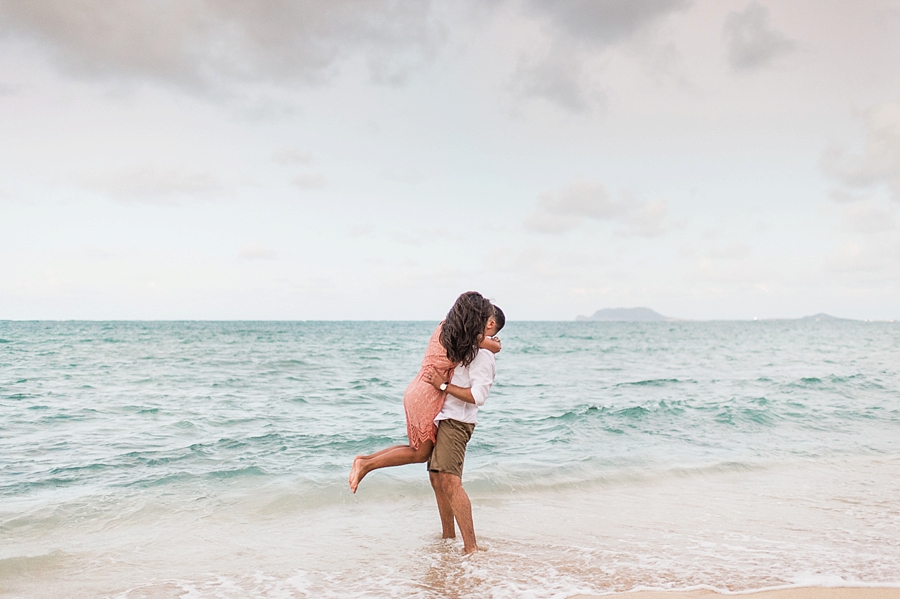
[356, 473]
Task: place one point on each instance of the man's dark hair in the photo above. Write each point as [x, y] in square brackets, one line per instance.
[499, 318]
[464, 327]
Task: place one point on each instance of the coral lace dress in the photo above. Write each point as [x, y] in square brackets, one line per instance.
[421, 401]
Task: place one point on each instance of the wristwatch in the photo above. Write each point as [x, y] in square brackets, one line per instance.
[443, 386]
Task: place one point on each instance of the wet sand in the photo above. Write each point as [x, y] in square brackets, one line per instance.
[798, 593]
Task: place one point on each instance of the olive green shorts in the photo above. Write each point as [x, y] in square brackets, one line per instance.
[450, 447]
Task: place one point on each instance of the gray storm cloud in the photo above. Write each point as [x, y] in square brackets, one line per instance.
[752, 42]
[205, 44]
[559, 76]
[603, 23]
[563, 210]
[577, 30]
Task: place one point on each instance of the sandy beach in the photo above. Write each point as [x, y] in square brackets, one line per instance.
[798, 593]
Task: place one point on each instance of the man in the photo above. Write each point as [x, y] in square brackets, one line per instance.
[466, 391]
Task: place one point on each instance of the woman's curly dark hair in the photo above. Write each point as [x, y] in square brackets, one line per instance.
[464, 326]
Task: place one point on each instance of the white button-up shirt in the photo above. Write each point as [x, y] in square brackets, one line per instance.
[479, 377]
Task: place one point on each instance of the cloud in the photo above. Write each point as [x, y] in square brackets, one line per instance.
[264, 109]
[408, 238]
[448, 277]
[203, 44]
[355, 231]
[752, 43]
[732, 252]
[869, 217]
[257, 252]
[536, 262]
[561, 211]
[532, 262]
[559, 77]
[155, 185]
[309, 181]
[416, 238]
[575, 31]
[647, 220]
[410, 176]
[95, 251]
[842, 196]
[290, 156]
[603, 23]
[878, 166]
[855, 258]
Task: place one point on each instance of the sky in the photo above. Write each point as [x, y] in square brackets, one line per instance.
[372, 159]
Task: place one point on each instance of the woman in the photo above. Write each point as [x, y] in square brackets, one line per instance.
[455, 341]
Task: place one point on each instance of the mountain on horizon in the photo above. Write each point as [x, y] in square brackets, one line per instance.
[624, 315]
[821, 316]
[648, 315]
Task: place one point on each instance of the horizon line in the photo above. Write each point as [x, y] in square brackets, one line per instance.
[667, 320]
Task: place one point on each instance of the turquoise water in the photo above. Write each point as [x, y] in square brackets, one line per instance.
[210, 459]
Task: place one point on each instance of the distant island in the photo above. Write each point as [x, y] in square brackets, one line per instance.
[821, 316]
[648, 315]
[624, 315]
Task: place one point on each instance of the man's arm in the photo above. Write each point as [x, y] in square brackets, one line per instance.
[481, 373]
[461, 393]
[481, 376]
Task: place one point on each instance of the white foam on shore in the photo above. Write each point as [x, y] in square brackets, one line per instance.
[824, 523]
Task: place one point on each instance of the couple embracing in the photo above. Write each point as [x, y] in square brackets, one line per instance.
[441, 406]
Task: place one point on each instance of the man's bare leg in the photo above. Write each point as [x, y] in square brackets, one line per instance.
[462, 509]
[397, 455]
[448, 529]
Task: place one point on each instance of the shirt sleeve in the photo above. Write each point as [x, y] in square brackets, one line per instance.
[481, 372]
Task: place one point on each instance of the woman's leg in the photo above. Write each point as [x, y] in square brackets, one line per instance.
[392, 456]
[378, 453]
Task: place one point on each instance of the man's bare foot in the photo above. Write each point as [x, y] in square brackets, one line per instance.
[356, 474]
[470, 550]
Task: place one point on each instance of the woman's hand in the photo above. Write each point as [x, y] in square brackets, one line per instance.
[433, 378]
[491, 343]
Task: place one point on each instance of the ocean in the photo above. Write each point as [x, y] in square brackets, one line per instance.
[210, 459]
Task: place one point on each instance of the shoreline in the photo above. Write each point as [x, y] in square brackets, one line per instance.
[850, 592]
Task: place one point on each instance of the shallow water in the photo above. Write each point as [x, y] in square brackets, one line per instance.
[210, 460]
